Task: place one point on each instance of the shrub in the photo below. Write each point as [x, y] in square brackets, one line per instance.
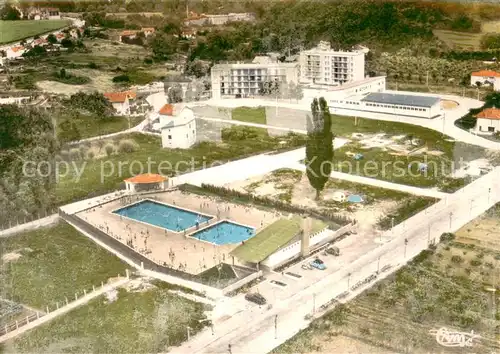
[109, 148]
[121, 78]
[475, 262]
[480, 255]
[93, 65]
[447, 236]
[456, 259]
[90, 155]
[489, 265]
[126, 146]
[83, 151]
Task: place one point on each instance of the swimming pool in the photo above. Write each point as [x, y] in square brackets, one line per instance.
[225, 232]
[162, 215]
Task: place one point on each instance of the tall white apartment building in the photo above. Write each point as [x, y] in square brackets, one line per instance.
[246, 79]
[325, 66]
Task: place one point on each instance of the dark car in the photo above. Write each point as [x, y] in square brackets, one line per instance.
[257, 298]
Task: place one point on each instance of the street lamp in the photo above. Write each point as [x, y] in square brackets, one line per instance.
[451, 215]
[489, 192]
[406, 243]
[348, 280]
[378, 264]
[276, 327]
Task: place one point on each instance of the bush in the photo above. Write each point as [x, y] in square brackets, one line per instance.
[109, 148]
[456, 259]
[126, 146]
[83, 150]
[92, 65]
[121, 78]
[90, 155]
[447, 236]
[475, 262]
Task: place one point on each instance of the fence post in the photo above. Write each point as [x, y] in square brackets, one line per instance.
[102, 284]
[127, 273]
[17, 325]
[66, 300]
[27, 319]
[84, 292]
[57, 305]
[76, 296]
[47, 308]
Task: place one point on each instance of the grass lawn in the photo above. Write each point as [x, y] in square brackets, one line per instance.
[92, 126]
[238, 143]
[271, 238]
[137, 322]
[251, 115]
[55, 262]
[11, 31]
[443, 287]
[460, 40]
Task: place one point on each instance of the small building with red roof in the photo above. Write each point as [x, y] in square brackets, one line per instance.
[121, 101]
[177, 126]
[488, 121]
[486, 77]
[146, 182]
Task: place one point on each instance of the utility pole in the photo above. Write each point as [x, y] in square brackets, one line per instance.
[451, 215]
[427, 79]
[348, 281]
[489, 192]
[314, 303]
[406, 244]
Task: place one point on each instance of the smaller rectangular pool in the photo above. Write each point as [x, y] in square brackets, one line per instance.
[162, 215]
[225, 232]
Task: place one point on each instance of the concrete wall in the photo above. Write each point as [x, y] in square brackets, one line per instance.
[33, 225]
[482, 125]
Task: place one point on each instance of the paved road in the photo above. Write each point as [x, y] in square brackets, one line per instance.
[253, 330]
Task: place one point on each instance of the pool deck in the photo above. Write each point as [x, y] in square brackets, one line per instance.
[176, 248]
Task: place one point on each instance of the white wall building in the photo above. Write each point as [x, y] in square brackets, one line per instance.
[389, 103]
[486, 77]
[368, 85]
[121, 101]
[178, 127]
[488, 121]
[245, 79]
[323, 65]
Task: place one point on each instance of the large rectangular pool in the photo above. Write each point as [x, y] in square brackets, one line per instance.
[162, 215]
[225, 232]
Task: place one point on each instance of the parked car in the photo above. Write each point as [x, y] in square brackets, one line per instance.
[318, 264]
[256, 298]
[333, 250]
[306, 266]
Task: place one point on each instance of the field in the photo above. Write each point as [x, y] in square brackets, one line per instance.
[490, 27]
[147, 320]
[43, 267]
[460, 40]
[11, 31]
[103, 174]
[451, 286]
[251, 115]
[92, 126]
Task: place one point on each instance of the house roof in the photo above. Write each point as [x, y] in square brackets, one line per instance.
[486, 73]
[271, 239]
[120, 97]
[406, 100]
[148, 29]
[489, 113]
[16, 49]
[147, 178]
[128, 32]
[167, 110]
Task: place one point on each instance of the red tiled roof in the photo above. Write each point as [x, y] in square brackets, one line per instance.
[167, 110]
[16, 49]
[129, 32]
[119, 97]
[147, 178]
[489, 113]
[486, 73]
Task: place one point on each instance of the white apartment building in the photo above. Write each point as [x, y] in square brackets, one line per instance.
[325, 66]
[245, 79]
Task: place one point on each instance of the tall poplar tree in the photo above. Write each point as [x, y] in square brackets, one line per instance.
[319, 146]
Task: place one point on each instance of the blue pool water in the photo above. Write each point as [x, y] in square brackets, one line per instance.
[224, 233]
[168, 217]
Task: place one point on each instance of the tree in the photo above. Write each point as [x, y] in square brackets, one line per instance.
[163, 46]
[9, 13]
[175, 94]
[319, 146]
[67, 43]
[94, 103]
[51, 38]
[68, 131]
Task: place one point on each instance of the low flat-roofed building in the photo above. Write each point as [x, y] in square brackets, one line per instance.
[391, 103]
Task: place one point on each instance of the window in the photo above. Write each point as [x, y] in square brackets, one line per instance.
[491, 129]
[170, 136]
[187, 136]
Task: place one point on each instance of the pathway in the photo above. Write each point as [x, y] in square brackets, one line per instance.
[65, 309]
[425, 192]
[248, 124]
